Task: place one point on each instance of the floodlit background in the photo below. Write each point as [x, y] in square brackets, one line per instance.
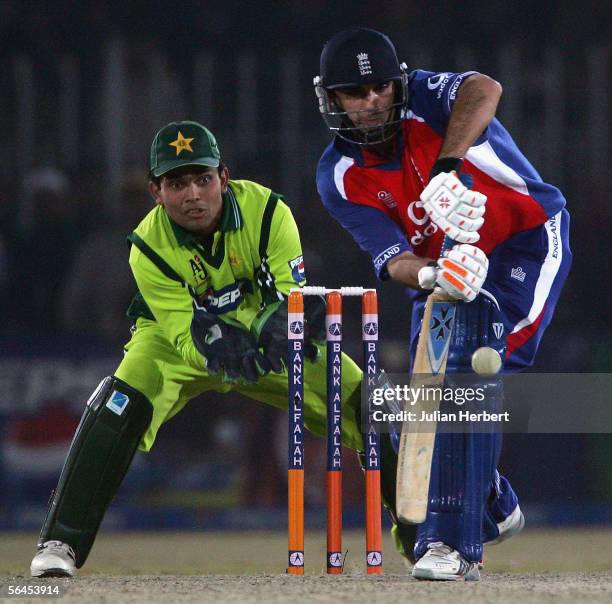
[85, 86]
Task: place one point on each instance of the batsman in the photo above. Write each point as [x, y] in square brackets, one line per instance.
[417, 156]
[214, 262]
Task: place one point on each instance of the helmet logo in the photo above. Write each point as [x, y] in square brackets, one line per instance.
[363, 63]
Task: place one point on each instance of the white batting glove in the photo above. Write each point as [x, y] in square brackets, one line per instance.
[460, 272]
[457, 210]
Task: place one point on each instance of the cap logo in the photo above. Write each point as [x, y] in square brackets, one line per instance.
[181, 144]
[363, 62]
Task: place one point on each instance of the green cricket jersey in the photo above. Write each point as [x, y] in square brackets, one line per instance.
[254, 258]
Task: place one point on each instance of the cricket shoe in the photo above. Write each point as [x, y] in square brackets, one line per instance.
[53, 559]
[509, 527]
[443, 563]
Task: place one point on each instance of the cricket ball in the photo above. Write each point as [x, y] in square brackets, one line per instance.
[486, 361]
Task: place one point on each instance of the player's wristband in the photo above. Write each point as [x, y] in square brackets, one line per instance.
[446, 164]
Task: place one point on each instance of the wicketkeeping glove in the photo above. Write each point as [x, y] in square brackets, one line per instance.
[460, 272]
[457, 210]
[269, 330]
[227, 346]
[314, 325]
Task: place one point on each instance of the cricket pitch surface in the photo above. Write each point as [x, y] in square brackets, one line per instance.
[560, 565]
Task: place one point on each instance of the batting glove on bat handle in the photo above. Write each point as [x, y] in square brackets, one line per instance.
[460, 272]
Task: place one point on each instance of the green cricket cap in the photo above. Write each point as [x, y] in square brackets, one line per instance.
[183, 143]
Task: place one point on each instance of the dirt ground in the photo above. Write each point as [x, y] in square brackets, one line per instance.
[538, 566]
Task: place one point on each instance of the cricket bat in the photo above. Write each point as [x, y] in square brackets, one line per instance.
[417, 439]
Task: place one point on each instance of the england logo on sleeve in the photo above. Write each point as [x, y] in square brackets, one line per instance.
[297, 269]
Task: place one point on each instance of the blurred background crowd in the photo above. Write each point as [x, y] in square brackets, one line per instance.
[85, 87]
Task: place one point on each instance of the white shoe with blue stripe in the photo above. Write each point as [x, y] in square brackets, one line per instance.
[443, 563]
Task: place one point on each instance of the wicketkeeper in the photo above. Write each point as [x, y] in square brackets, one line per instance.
[214, 262]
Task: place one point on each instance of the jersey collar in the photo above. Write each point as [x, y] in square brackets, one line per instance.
[367, 159]
[231, 220]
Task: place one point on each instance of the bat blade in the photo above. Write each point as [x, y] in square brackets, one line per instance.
[417, 439]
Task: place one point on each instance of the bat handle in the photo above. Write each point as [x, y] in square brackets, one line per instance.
[447, 244]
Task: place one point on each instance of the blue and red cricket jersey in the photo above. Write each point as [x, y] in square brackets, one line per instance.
[525, 233]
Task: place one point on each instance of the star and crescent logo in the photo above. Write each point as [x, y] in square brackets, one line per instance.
[181, 144]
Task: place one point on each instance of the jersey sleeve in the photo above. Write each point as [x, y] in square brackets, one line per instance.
[284, 251]
[170, 303]
[374, 232]
[433, 94]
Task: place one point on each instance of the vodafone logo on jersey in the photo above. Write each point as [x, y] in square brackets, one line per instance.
[438, 81]
[424, 227]
[434, 81]
[416, 213]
